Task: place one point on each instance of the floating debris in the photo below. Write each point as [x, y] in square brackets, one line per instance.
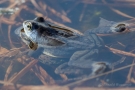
[5, 11]
[19, 2]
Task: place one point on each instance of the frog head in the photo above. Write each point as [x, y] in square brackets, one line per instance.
[40, 32]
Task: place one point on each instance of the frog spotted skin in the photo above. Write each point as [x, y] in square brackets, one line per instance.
[56, 39]
[82, 50]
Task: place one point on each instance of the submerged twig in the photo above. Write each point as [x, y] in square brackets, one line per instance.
[23, 71]
[32, 87]
[42, 75]
[91, 77]
[9, 30]
[121, 13]
[117, 11]
[6, 83]
[121, 52]
[9, 69]
[129, 74]
[7, 21]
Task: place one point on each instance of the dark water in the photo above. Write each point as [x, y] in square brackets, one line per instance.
[81, 15]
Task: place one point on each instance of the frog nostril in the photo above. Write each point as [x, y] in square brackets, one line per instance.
[25, 22]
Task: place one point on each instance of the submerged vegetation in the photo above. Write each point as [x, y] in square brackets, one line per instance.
[21, 72]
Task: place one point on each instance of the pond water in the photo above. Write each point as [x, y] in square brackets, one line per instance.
[82, 16]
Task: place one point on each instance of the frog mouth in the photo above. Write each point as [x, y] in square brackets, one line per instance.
[32, 45]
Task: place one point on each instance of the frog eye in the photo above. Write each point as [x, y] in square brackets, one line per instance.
[29, 26]
[121, 27]
[122, 24]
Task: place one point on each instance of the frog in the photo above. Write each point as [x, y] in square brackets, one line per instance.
[112, 28]
[85, 51]
[114, 32]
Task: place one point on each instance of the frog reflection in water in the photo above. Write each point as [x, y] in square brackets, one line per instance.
[83, 51]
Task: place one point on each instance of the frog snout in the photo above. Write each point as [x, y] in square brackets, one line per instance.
[25, 25]
[24, 22]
